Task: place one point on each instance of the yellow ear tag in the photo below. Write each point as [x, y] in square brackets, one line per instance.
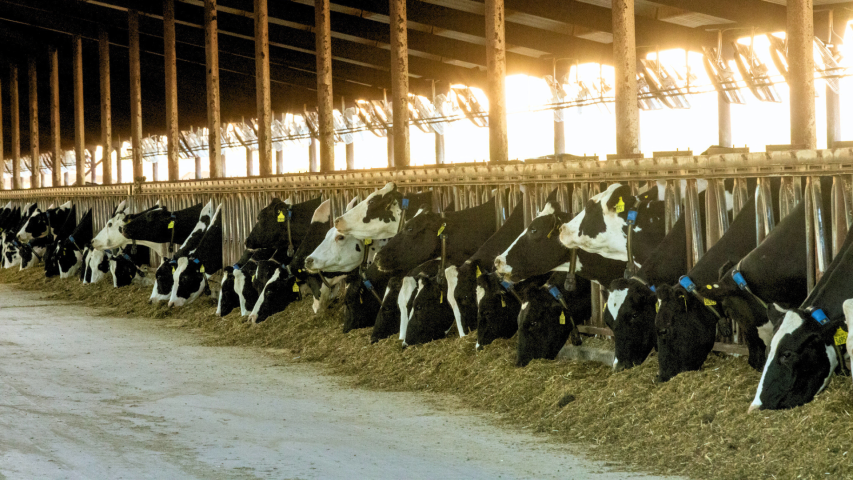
[173, 269]
[201, 269]
[657, 307]
[503, 302]
[295, 287]
[562, 318]
[280, 217]
[368, 241]
[171, 224]
[440, 297]
[709, 302]
[441, 229]
[360, 299]
[620, 206]
[709, 287]
[479, 272]
[253, 278]
[840, 336]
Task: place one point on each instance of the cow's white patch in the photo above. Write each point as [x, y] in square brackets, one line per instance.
[612, 243]
[239, 285]
[352, 203]
[790, 324]
[615, 363]
[452, 275]
[95, 258]
[253, 317]
[848, 315]
[174, 300]
[351, 222]
[406, 291]
[615, 301]
[481, 294]
[548, 209]
[525, 305]
[765, 332]
[322, 213]
[78, 260]
[221, 290]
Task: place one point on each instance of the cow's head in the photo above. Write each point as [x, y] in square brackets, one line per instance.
[51, 259]
[431, 314]
[801, 362]
[228, 299]
[97, 266]
[189, 281]
[43, 223]
[164, 280]
[247, 286]
[496, 309]
[538, 249]
[123, 270]
[602, 227]
[542, 325]
[110, 236]
[388, 320]
[146, 225]
[376, 217]
[69, 258]
[280, 291]
[462, 293]
[417, 242]
[360, 306]
[686, 330]
[316, 233]
[631, 305]
[272, 225]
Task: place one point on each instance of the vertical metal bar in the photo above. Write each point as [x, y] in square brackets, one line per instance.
[400, 82]
[35, 160]
[800, 38]
[135, 94]
[106, 105]
[211, 48]
[496, 74]
[841, 214]
[16, 127]
[323, 38]
[171, 71]
[262, 87]
[695, 246]
[625, 63]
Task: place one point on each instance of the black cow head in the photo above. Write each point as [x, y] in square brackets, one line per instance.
[543, 325]
[360, 306]
[51, 259]
[313, 236]
[431, 315]
[280, 291]
[497, 310]
[228, 298]
[148, 225]
[388, 320]
[801, 362]
[417, 242]
[42, 223]
[192, 279]
[248, 285]
[632, 307]
[123, 270]
[686, 331]
[271, 227]
[538, 249]
[164, 280]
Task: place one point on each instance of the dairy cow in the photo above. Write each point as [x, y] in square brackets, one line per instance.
[193, 271]
[54, 250]
[42, 224]
[11, 244]
[110, 237]
[378, 216]
[70, 252]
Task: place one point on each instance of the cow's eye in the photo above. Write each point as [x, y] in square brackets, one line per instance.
[340, 238]
[110, 224]
[532, 230]
[661, 332]
[786, 358]
[409, 229]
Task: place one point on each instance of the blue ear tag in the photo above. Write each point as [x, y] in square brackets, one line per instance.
[507, 285]
[368, 285]
[819, 316]
[72, 239]
[405, 204]
[739, 280]
[289, 214]
[195, 260]
[236, 267]
[632, 216]
[688, 284]
[652, 288]
[555, 292]
[126, 257]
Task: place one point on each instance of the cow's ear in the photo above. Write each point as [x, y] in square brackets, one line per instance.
[552, 197]
[724, 269]
[649, 195]
[776, 314]
[621, 197]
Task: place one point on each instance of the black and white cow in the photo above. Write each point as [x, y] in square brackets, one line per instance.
[398, 298]
[54, 250]
[96, 265]
[687, 325]
[10, 219]
[248, 280]
[164, 275]
[162, 226]
[124, 266]
[44, 223]
[193, 271]
[70, 253]
[11, 244]
[271, 229]
[804, 350]
[545, 322]
[462, 282]
[244, 295]
[378, 216]
[32, 252]
[110, 237]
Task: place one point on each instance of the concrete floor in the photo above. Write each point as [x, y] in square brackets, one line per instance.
[85, 396]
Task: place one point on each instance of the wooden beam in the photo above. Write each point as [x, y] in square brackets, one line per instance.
[211, 44]
[262, 86]
[16, 127]
[2, 152]
[496, 73]
[801, 72]
[625, 66]
[323, 39]
[35, 160]
[55, 139]
[106, 106]
[170, 58]
[79, 127]
[135, 94]
[400, 83]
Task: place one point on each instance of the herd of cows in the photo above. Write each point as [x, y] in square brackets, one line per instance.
[405, 270]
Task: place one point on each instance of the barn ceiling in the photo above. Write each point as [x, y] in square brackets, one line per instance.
[446, 46]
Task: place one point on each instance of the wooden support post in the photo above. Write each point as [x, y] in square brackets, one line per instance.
[350, 147]
[106, 105]
[496, 73]
[801, 72]
[35, 160]
[55, 145]
[118, 164]
[625, 64]
[833, 100]
[211, 48]
[93, 165]
[262, 85]
[326, 122]
[724, 121]
[79, 127]
[16, 127]
[390, 145]
[197, 167]
[2, 151]
[559, 138]
[170, 59]
[400, 83]
[439, 150]
[313, 163]
[135, 94]
[250, 164]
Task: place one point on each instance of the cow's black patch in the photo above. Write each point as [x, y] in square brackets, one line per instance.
[592, 224]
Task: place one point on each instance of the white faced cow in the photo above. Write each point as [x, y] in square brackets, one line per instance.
[379, 215]
[44, 223]
[110, 237]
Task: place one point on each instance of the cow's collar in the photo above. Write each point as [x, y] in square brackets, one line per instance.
[688, 285]
[820, 317]
[651, 287]
[508, 287]
[741, 283]
[631, 220]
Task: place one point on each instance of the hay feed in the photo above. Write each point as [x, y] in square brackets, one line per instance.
[695, 425]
